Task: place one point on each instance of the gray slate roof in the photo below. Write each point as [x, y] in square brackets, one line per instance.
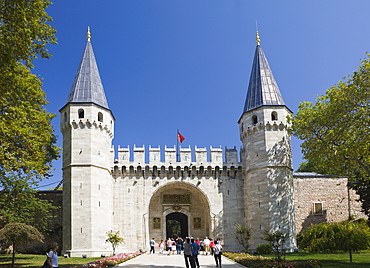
[262, 89]
[87, 86]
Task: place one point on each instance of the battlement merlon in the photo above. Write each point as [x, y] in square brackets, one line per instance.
[217, 157]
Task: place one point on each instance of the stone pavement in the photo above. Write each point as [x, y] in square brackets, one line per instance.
[174, 261]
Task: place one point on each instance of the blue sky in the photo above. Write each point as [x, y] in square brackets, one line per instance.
[176, 64]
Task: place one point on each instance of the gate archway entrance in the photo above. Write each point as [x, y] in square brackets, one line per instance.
[179, 209]
[176, 225]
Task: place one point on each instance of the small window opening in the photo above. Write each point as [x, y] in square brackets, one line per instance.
[274, 116]
[81, 113]
[65, 117]
[318, 209]
[254, 119]
[100, 117]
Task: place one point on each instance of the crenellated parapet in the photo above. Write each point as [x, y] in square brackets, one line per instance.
[200, 162]
[86, 124]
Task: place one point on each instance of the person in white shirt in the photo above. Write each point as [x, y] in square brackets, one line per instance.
[206, 242]
[53, 256]
[217, 252]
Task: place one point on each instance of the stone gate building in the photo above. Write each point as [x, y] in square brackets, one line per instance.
[104, 189]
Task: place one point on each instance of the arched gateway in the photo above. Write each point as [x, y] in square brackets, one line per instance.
[179, 209]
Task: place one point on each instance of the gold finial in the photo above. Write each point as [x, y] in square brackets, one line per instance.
[88, 34]
[257, 39]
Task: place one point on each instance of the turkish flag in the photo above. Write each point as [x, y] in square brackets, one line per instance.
[180, 137]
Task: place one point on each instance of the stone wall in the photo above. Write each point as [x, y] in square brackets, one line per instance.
[329, 191]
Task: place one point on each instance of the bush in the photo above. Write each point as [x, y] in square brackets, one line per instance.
[264, 249]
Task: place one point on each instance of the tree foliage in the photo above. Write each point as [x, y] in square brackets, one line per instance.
[307, 166]
[26, 134]
[114, 239]
[349, 236]
[335, 129]
[20, 203]
[27, 141]
[16, 234]
[24, 31]
[242, 235]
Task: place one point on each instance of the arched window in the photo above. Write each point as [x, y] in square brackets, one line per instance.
[65, 117]
[274, 116]
[100, 117]
[81, 113]
[254, 119]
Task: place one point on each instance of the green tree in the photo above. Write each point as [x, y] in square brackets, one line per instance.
[114, 239]
[24, 31]
[26, 134]
[16, 234]
[276, 239]
[349, 236]
[335, 129]
[242, 235]
[307, 166]
[27, 145]
[20, 203]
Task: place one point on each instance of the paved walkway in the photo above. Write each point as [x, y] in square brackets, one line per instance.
[174, 261]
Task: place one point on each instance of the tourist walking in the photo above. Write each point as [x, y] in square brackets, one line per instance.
[211, 245]
[152, 245]
[206, 242]
[168, 245]
[52, 259]
[217, 252]
[179, 242]
[173, 246]
[188, 254]
[195, 249]
[161, 247]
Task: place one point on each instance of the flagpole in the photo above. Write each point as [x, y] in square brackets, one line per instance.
[177, 146]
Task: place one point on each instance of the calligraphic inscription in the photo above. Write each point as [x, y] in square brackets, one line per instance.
[176, 198]
[197, 223]
[156, 223]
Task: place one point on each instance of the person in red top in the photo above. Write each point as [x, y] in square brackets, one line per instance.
[197, 241]
[211, 245]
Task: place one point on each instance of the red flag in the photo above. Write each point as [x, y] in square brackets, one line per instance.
[180, 137]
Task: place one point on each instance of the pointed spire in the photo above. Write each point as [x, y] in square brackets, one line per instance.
[257, 39]
[87, 86]
[88, 34]
[262, 89]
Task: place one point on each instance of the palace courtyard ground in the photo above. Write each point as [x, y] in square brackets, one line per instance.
[174, 261]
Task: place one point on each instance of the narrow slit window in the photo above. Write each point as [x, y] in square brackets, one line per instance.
[274, 116]
[100, 117]
[81, 113]
[254, 119]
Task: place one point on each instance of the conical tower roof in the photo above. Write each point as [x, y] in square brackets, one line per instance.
[262, 89]
[87, 86]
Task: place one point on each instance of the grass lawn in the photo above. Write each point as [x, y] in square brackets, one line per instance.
[331, 260]
[36, 261]
[334, 260]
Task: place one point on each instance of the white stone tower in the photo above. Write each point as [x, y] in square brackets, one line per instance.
[267, 156]
[87, 126]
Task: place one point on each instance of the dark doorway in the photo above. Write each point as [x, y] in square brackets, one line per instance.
[176, 225]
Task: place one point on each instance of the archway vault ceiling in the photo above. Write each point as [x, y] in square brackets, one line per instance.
[181, 188]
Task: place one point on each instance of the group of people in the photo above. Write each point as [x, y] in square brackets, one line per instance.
[192, 248]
